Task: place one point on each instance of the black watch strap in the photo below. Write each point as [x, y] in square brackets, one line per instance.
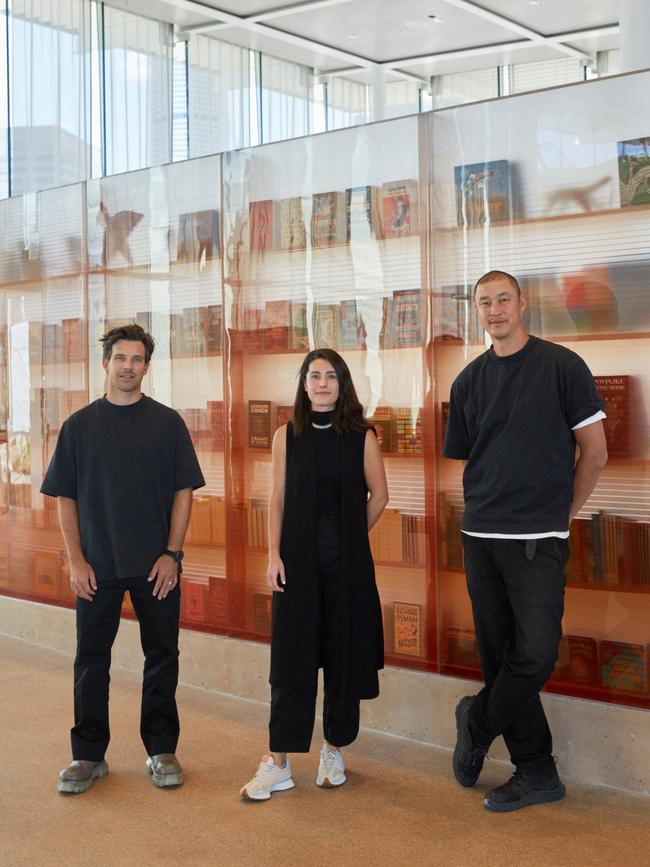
[176, 555]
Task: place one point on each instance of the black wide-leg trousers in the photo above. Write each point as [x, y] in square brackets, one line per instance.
[517, 592]
[293, 710]
[97, 625]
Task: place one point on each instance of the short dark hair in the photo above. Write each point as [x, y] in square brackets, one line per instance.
[348, 412]
[498, 275]
[130, 331]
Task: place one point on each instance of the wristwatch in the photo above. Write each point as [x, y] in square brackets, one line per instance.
[176, 555]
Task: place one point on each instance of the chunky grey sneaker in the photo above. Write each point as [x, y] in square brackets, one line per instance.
[165, 770]
[524, 789]
[80, 775]
[268, 778]
[468, 755]
[331, 768]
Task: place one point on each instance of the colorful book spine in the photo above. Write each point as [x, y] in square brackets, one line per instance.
[408, 426]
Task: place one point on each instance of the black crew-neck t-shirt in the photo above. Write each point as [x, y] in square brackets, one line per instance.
[510, 418]
[123, 465]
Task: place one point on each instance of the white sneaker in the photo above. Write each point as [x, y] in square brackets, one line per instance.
[268, 778]
[331, 769]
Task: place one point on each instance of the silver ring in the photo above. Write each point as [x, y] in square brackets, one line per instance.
[171, 581]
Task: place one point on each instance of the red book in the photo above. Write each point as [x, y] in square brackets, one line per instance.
[399, 208]
[615, 393]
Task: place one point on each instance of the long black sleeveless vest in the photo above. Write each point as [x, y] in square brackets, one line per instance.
[295, 624]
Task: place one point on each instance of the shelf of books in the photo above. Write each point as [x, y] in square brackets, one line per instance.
[566, 211]
[326, 249]
[368, 240]
[43, 377]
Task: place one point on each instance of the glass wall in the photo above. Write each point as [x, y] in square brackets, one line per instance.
[551, 187]
[324, 249]
[367, 240]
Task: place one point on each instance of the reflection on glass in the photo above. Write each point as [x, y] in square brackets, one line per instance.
[352, 240]
[332, 259]
[551, 206]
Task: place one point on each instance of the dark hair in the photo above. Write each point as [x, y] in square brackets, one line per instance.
[127, 332]
[348, 412]
[498, 275]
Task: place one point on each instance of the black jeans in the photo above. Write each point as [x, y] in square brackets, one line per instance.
[97, 625]
[517, 592]
[293, 710]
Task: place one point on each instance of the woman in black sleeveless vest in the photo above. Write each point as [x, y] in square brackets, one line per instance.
[329, 489]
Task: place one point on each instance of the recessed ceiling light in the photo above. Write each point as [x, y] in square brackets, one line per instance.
[353, 35]
[534, 2]
[436, 19]
[419, 24]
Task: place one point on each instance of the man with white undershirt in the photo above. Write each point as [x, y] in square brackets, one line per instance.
[516, 414]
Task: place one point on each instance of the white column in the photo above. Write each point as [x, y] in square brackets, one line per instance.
[378, 93]
[634, 18]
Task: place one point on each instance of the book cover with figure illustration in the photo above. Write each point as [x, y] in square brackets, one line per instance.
[400, 208]
[634, 172]
[485, 193]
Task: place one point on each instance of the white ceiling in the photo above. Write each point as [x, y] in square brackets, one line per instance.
[410, 38]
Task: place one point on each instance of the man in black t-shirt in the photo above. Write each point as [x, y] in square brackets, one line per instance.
[123, 471]
[516, 414]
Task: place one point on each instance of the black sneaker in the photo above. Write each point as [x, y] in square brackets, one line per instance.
[468, 755]
[524, 789]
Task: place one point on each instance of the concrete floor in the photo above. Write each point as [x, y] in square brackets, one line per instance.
[400, 806]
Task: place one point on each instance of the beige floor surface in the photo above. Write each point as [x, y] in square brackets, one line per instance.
[399, 807]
